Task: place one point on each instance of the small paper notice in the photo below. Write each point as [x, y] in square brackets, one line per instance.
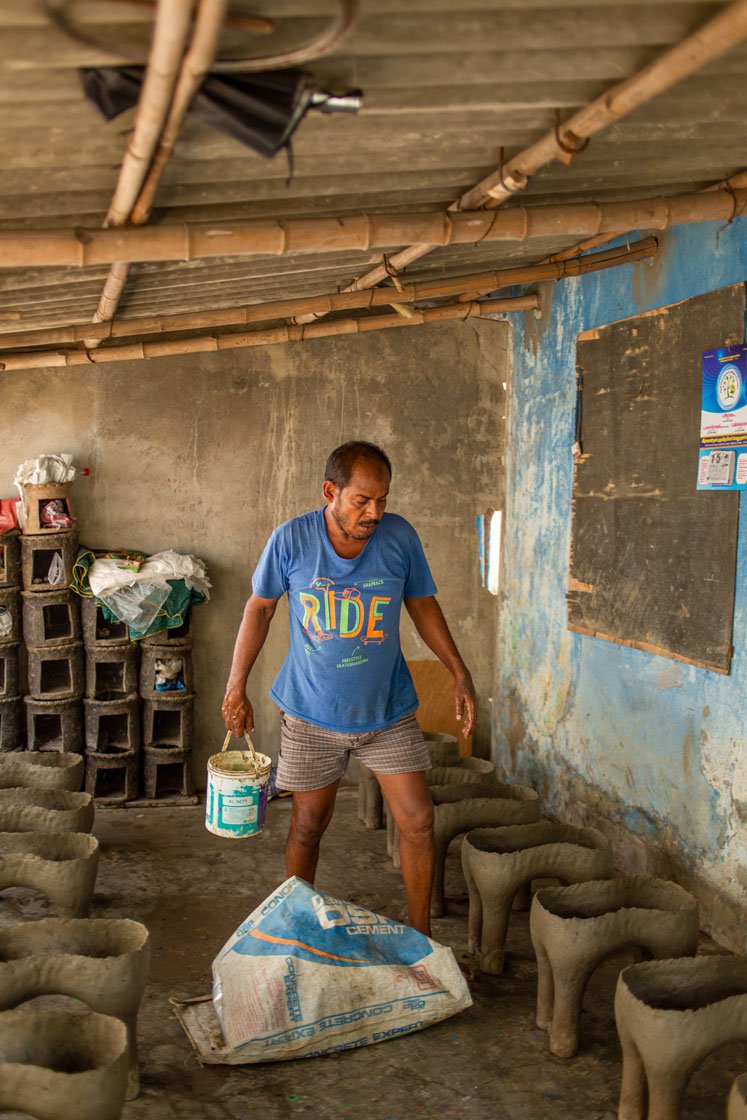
[721, 468]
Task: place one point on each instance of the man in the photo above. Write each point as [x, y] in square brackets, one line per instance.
[344, 685]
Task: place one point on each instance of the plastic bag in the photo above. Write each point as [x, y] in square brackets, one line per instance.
[56, 573]
[6, 622]
[137, 605]
[169, 673]
[307, 974]
[53, 514]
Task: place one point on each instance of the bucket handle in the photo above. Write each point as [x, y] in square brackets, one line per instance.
[249, 743]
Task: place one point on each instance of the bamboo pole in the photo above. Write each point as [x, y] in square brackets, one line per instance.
[738, 181]
[44, 359]
[185, 82]
[709, 42]
[173, 18]
[481, 283]
[190, 241]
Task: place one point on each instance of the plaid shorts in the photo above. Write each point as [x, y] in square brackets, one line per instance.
[311, 757]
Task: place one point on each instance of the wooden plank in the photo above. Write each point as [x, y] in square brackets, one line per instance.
[434, 685]
[653, 560]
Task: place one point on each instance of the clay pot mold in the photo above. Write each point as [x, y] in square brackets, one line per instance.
[575, 928]
[45, 810]
[41, 771]
[442, 747]
[111, 671]
[499, 862]
[670, 1015]
[468, 769]
[56, 1065]
[51, 618]
[10, 723]
[61, 865]
[56, 672]
[54, 725]
[102, 961]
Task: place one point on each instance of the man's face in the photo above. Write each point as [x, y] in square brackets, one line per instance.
[358, 507]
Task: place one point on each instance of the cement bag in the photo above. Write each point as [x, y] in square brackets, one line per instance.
[307, 974]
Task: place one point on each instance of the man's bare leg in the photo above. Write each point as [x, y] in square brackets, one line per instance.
[311, 812]
[409, 799]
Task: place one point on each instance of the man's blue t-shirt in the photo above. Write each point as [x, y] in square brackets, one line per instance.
[344, 669]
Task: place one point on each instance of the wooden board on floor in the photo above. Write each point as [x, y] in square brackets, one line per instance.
[434, 685]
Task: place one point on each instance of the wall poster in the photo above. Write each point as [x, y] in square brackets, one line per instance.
[722, 463]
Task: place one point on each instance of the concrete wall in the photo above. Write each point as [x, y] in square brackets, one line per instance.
[651, 750]
[206, 454]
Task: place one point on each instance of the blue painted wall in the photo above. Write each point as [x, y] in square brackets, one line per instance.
[651, 744]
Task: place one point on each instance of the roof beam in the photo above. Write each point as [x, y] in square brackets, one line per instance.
[197, 241]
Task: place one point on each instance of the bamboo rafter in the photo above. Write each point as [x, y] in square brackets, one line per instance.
[287, 333]
[190, 241]
[478, 284]
[715, 38]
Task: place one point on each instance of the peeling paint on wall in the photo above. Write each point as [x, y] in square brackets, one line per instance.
[657, 747]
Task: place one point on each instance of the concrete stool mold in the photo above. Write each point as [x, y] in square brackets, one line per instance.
[53, 725]
[61, 865]
[56, 672]
[177, 636]
[112, 779]
[112, 725]
[443, 750]
[111, 671]
[10, 559]
[60, 1065]
[9, 670]
[41, 771]
[51, 618]
[10, 723]
[670, 1015]
[574, 928]
[168, 770]
[169, 720]
[737, 1106]
[10, 615]
[102, 961]
[99, 630]
[45, 810]
[498, 862]
[38, 561]
[168, 660]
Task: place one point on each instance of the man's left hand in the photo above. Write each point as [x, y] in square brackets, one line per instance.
[465, 702]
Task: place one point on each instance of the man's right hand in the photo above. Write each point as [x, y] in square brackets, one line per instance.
[237, 712]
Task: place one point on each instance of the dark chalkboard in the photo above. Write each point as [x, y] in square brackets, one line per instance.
[653, 560]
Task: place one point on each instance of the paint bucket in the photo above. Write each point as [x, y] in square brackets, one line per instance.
[237, 787]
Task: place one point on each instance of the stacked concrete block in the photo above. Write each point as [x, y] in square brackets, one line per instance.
[112, 715]
[168, 712]
[10, 633]
[51, 633]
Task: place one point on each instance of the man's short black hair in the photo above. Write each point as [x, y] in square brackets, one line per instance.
[341, 462]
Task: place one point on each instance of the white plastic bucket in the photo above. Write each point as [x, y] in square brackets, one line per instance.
[237, 787]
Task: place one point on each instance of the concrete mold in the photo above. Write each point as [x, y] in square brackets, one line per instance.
[670, 1015]
[55, 1065]
[575, 928]
[499, 862]
[62, 866]
[45, 810]
[103, 962]
[41, 771]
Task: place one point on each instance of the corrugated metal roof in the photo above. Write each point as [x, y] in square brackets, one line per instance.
[446, 86]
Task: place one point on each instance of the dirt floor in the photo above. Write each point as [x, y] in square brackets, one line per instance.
[192, 889]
